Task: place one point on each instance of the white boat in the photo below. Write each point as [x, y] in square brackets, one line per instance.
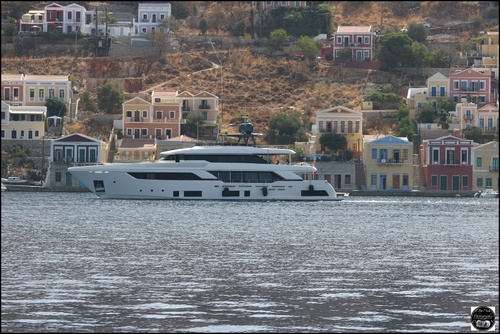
[244, 173]
[14, 180]
[487, 193]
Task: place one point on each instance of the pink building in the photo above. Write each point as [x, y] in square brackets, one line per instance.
[472, 85]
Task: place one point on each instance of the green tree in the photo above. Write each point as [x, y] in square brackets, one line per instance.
[421, 55]
[345, 54]
[284, 128]
[405, 128]
[394, 49]
[474, 133]
[216, 18]
[309, 47]
[441, 58]
[55, 107]
[333, 141]
[194, 122]
[417, 32]
[203, 26]
[160, 41]
[87, 102]
[278, 38]
[110, 97]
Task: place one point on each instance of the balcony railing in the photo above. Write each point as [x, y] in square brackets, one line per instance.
[136, 119]
[493, 168]
[390, 161]
[450, 163]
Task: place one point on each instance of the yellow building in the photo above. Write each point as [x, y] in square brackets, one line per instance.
[39, 88]
[340, 120]
[485, 166]
[23, 122]
[388, 163]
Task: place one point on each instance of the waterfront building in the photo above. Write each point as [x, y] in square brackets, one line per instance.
[485, 168]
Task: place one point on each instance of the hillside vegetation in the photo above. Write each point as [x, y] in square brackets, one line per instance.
[251, 85]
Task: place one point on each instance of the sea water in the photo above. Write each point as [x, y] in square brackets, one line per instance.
[74, 263]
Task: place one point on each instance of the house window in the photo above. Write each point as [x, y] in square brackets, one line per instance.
[435, 156]
[494, 164]
[144, 132]
[367, 40]
[58, 176]
[489, 182]
[52, 93]
[144, 17]
[144, 114]
[339, 39]
[342, 126]
[357, 126]
[7, 94]
[479, 182]
[366, 55]
[465, 181]
[129, 113]
[406, 179]
[349, 127]
[41, 94]
[16, 94]
[442, 91]
[157, 99]
[490, 124]
[374, 153]
[70, 15]
[373, 179]
[320, 123]
[434, 180]
[61, 94]
[455, 85]
[335, 126]
[405, 154]
[482, 85]
[129, 132]
[464, 156]
[32, 93]
[159, 114]
[172, 115]
[481, 123]
[348, 179]
[482, 99]
[450, 156]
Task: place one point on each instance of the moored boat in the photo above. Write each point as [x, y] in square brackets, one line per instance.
[14, 180]
[487, 193]
[244, 173]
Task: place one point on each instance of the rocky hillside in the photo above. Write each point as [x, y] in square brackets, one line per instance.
[254, 85]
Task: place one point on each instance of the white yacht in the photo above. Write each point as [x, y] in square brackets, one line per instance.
[242, 173]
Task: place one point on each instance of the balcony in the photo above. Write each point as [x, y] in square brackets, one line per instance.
[493, 169]
[390, 162]
[206, 106]
[450, 163]
[135, 119]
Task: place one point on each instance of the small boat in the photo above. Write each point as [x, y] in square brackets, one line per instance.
[14, 180]
[487, 193]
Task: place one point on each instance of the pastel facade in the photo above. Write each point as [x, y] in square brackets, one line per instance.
[438, 88]
[13, 89]
[488, 118]
[145, 123]
[360, 40]
[73, 150]
[471, 85]
[39, 88]
[149, 15]
[447, 163]
[389, 163]
[486, 166]
[341, 120]
[23, 122]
